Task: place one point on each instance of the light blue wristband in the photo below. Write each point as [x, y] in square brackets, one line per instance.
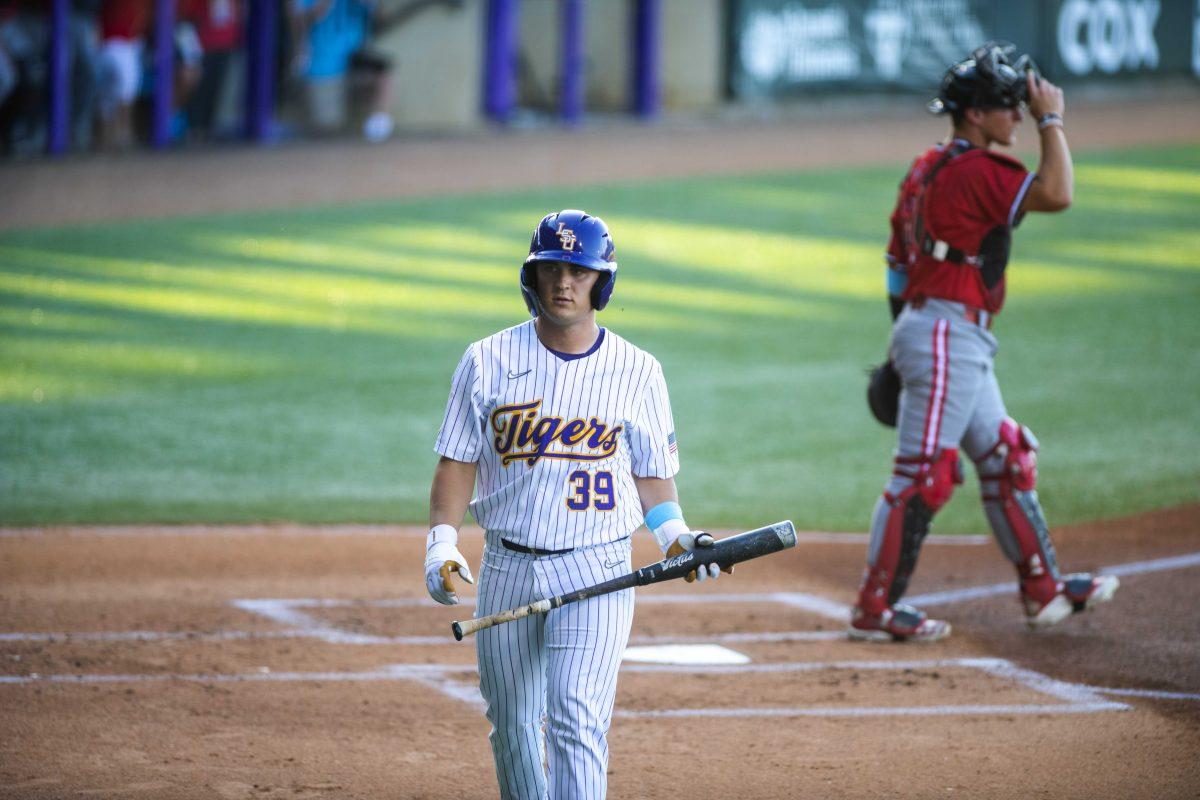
[663, 512]
[897, 281]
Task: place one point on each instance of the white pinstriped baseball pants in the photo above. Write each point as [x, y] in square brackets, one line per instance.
[560, 667]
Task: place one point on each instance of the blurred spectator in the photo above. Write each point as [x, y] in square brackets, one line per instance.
[8, 74]
[123, 26]
[86, 69]
[219, 26]
[25, 73]
[188, 59]
[24, 36]
[8, 68]
[331, 39]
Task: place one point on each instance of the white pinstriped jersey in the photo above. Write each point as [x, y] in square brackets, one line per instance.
[558, 438]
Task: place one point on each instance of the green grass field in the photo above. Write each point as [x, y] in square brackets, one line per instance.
[294, 365]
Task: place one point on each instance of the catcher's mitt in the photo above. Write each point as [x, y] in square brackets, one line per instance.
[883, 393]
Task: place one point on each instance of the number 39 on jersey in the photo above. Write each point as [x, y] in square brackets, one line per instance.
[590, 490]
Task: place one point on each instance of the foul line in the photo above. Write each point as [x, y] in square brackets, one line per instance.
[1151, 693]
[977, 592]
[866, 711]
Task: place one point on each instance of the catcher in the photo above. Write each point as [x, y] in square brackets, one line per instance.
[951, 234]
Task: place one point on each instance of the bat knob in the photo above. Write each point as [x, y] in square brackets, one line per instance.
[458, 634]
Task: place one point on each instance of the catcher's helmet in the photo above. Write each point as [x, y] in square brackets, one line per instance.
[989, 78]
[572, 237]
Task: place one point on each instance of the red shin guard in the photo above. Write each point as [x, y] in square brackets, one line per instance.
[1016, 495]
[907, 523]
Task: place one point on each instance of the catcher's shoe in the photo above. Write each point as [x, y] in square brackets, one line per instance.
[898, 623]
[1078, 592]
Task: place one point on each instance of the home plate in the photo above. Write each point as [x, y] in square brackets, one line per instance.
[685, 654]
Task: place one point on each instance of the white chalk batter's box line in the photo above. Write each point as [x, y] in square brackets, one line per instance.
[1078, 698]
[292, 614]
[1073, 698]
[287, 612]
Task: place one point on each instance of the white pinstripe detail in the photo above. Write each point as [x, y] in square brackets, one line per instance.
[511, 396]
[618, 385]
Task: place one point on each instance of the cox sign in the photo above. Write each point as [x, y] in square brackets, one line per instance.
[1108, 35]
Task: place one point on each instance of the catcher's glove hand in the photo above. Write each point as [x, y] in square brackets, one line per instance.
[441, 559]
[697, 540]
[883, 393]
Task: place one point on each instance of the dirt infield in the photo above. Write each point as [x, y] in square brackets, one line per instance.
[284, 661]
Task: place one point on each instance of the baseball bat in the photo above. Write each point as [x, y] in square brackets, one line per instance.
[724, 553]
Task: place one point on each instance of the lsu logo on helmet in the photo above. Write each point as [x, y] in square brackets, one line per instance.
[566, 236]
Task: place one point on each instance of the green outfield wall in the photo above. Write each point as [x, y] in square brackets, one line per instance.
[786, 48]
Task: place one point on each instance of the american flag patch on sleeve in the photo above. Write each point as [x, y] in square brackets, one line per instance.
[671, 445]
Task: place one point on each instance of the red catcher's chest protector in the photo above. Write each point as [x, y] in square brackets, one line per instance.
[954, 213]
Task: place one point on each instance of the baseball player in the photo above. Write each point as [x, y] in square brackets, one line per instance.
[564, 432]
[951, 233]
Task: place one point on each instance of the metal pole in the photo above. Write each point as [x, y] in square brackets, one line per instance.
[499, 63]
[164, 71]
[571, 91]
[58, 123]
[253, 11]
[647, 24]
[261, 35]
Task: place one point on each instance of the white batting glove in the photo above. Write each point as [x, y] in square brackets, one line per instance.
[442, 557]
[693, 540]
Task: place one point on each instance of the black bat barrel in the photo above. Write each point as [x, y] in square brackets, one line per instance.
[724, 553]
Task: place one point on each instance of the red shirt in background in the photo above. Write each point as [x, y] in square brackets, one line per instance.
[124, 19]
[218, 22]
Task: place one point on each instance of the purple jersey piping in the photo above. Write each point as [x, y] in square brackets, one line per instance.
[572, 356]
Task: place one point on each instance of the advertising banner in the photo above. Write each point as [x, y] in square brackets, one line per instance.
[785, 45]
[781, 47]
[1099, 38]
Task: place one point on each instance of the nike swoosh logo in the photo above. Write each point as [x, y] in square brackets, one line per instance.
[514, 375]
[614, 565]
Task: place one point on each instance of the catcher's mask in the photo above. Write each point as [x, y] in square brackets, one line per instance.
[572, 237]
[991, 77]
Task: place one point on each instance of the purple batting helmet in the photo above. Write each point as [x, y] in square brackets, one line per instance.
[572, 237]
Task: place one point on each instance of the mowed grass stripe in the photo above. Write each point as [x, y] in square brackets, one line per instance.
[294, 365]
